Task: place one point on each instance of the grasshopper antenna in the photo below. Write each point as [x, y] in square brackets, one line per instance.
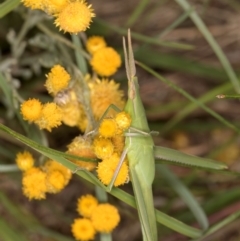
[129, 58]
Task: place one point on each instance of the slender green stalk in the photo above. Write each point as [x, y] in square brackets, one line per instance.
[185, 194]
[7, 6]
[145, 39]
[136, 13]
[81, 61]
[191, 98]
[213, 43]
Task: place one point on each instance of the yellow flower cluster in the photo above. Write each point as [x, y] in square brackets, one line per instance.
[108, 146]
[102, 94]
[46, 116]
[52, 177]
[105, 60]
[67, 107]
[49, 115]
[72, 16]
[96, 218]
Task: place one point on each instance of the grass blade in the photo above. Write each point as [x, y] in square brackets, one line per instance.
[7, 6]
[212, 42]
[185, 194]
[174, 156]
[189, 97]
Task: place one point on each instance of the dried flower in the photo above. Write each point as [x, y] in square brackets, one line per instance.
[105, 61]
[24, 160]
[105, 218]
[82, 147]
[83, 229]
[104, 93]
[119, 143]
[31, 109]
[75, 17]
[86, 204]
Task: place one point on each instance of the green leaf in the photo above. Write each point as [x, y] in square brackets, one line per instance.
[185, 194]
[177, 157]
[8, 6]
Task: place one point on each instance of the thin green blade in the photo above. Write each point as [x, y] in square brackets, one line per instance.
[177, 157]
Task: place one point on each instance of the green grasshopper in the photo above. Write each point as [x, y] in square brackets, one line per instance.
[139, 148]
[141, 153]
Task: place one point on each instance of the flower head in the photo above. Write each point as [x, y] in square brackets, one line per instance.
[31, 109]
[105, 61]
[34, 183]
[107, 167]
[86, 204]
[24, 160]
[102, 147]
[95, 43]
[57, 80]
[83, 229]
[108, 128]
[123, 120]
[81, 147]
[75, 17]
[105, 218]
[52, 165]
[104, 93]
[54, 6]
[51, 116]
[33, 4]
[55, 181]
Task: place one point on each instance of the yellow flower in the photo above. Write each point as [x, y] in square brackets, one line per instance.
[75, 17]
[103, 94]
[31, 110]
[95, 43]
[83, 230]
[51, 116]
[54, 6]
[81, 147]
[24, 160]
[107, 167]
[86, 204]
[55, 181]
[51, 165]
[123, 120]
[57, 80]
[105, 61]
[105, 218]
[33, 4]
[102, 147]
[108, 128]
[34, 183]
